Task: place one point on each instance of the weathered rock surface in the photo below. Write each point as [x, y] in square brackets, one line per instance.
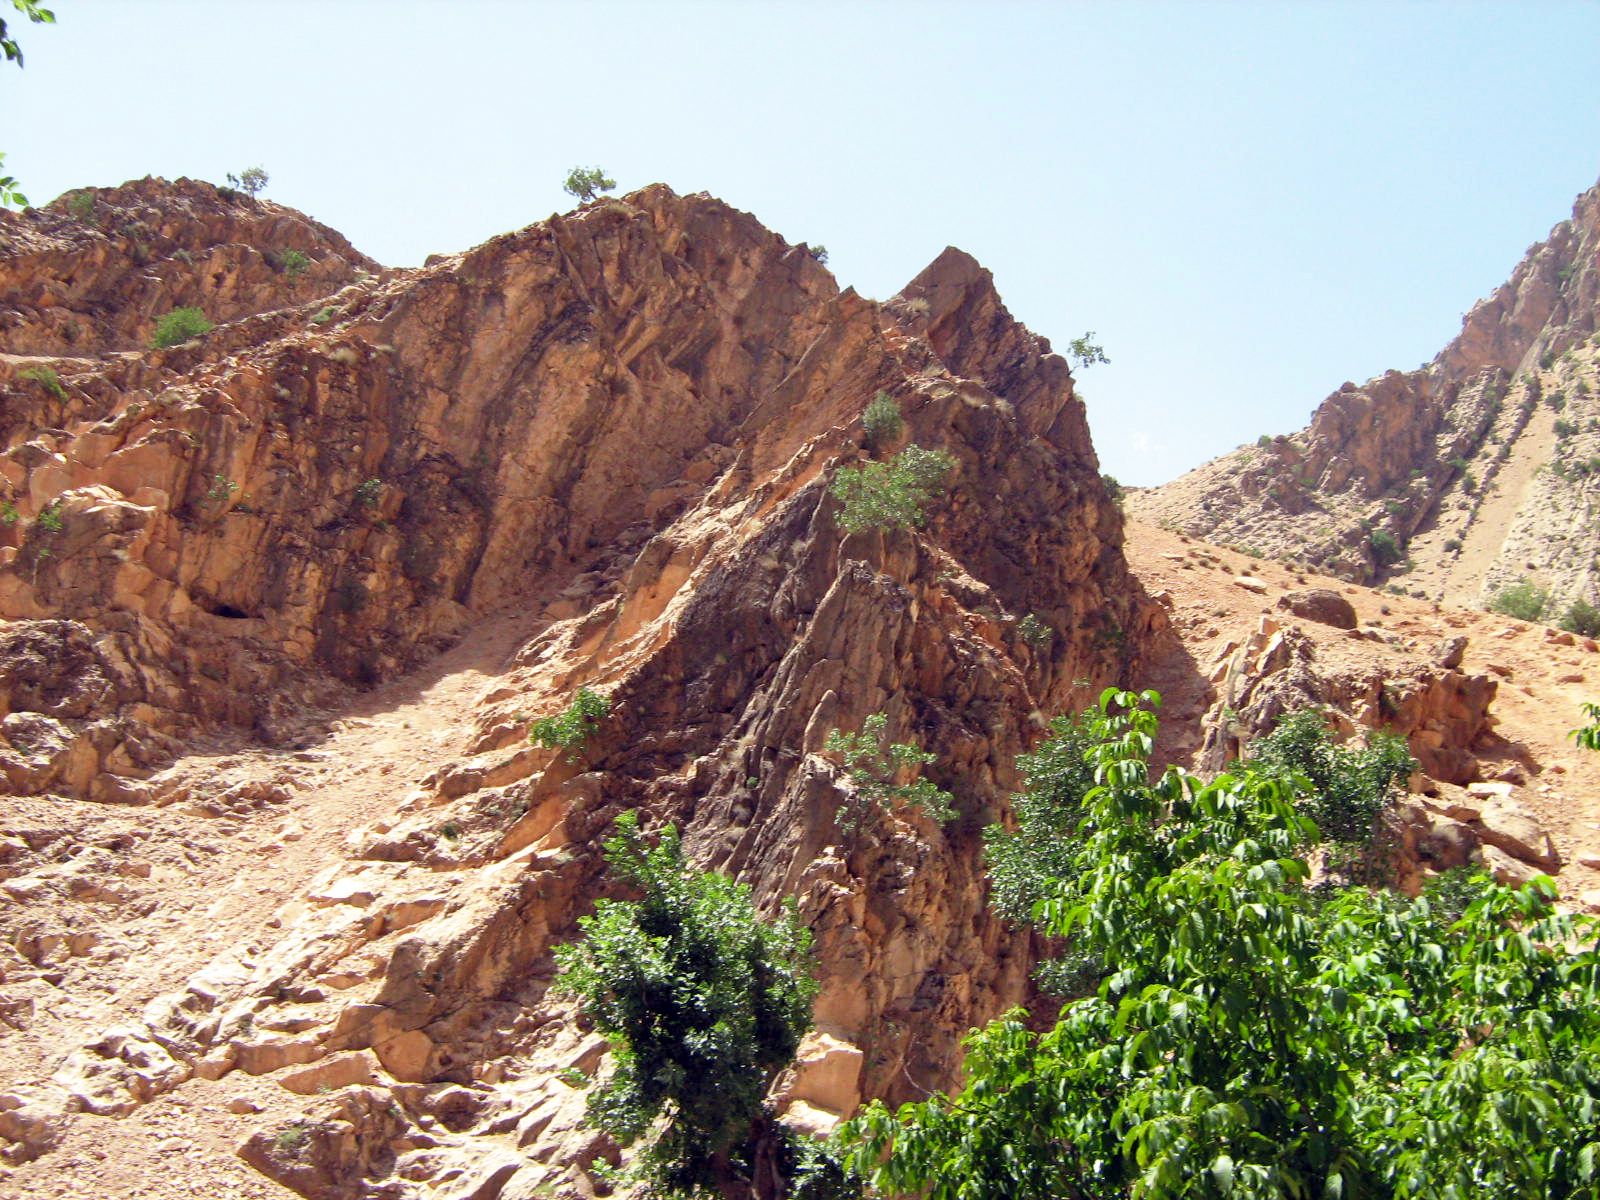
[615, 431]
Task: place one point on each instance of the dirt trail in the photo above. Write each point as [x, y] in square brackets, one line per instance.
[212, 886]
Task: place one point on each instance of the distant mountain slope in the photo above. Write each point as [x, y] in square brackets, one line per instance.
[1452, 480]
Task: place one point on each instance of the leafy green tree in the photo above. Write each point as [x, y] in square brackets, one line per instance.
[1256, 1038]
[891, 495]
[1086, 352]
[586, 183]
[874, 766]
[702, 1002]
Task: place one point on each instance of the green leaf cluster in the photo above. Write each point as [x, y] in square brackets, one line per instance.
[874, 765]
[574, 725]
[701, 1000]
[891, 495]
[1254, 1037]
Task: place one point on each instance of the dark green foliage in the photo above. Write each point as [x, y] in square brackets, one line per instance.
[323, 315]
[1257, 1039]
[178, 326]
[1523, 600]
[1452, 545]
[1113, 488]
[1385, 549]
[1028, 862]
[587, 182]
[1566, 429]
[891, 495]
[1342, 789]
[36, 13]
[369, 492]
[50, 519]
[46, 378]
[820, 253]
[701, 1000]
[1582, 618]
[574, 725]
[1086, 352]
[874, 766]
[882, 420]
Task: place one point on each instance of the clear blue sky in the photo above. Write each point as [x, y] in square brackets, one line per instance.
[1249, 203]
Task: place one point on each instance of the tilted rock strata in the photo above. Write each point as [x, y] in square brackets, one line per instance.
[622, 424]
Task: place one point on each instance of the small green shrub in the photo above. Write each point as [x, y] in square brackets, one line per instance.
[46, 378]
[81, 206]
[50, 519]
[323, 315]
[369, 492]
[891, 495]
[1459, 463]
[222, 489]
[292, 1137]
[1035, 631]
[873, 764]
[178, 326]
[1264, 441]
[1566, 429]
[292, 263]
[9, 515]
[574, 725]
[1385, 549]
[1452, 545]
[1114, 489]
[1523, 600]
[882, 420]
[820, 253]
[1581, 618]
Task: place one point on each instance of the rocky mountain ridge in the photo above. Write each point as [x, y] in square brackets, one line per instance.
[613, 430]
[1456, 473]
[280, 871]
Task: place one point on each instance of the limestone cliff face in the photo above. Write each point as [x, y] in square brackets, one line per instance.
[1384, 465]
[615, 430]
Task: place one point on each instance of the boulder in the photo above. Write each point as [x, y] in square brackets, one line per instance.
[1322, 605]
